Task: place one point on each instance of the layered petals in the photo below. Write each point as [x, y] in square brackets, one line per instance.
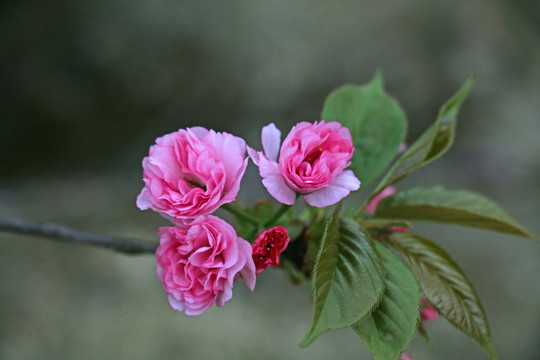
[192, 172]
[312, 162]
[199, 262]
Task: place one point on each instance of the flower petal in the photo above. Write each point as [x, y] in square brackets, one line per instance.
[254, 155]
[277, 187]
[339, 188]
[248, 272]
[271, 139]
[142, 200]
[274, 182]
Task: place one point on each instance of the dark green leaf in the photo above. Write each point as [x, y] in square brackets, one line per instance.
[446, 287]
[434, 142]
[449, 206]
[392, 325]
[383, 224]
[347, 280]
[377, 124]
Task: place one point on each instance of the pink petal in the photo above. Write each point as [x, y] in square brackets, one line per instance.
[142, 201]
[199, 131]
[277, 187]
[271, 139]
[254, 155]
[339, 188]
[268, 168]
[274, 182]
[248, 272]
[175, 304]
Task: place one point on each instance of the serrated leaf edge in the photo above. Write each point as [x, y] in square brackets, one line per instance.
[305, 342]
[487, 347]
[418, 318]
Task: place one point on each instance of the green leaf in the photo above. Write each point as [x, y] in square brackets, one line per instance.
[388, 330]
[434, 142]
[383, 224]
[446, 287]
[347, 280]
[457, 207]
[376, 122]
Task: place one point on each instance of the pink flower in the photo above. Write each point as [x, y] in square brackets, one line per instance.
[372, 205]
[427, 312]
[312, 162]
[198, 263]
[192, 172]
[268, 246]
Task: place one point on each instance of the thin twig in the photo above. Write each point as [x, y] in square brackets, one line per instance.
[63, 233]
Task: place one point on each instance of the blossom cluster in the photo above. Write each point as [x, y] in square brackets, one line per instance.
[192, 172]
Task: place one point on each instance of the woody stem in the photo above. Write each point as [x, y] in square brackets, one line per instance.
[66, 234]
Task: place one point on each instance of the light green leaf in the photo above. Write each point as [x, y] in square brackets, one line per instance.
[392, 325]
[446, 287]
[458, 207]
[347, 280]
[376, 122]
[434, 142]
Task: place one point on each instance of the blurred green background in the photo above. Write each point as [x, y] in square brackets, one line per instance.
[87, 86]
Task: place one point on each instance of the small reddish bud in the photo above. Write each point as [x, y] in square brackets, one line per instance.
[268, 246]
[427, 312]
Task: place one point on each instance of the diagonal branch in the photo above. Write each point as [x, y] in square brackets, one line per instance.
[63, 233]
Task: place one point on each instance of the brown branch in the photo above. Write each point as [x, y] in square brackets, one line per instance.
[63, 233]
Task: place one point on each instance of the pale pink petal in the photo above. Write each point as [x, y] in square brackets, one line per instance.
[142, 201]
[339, 188]
[277, 187]
[198, 131]
[254, 155]
[274, 182]
[268, 168]
[248, 272]
[175, 304]
[223, 297]
[271, 139]
[191, 311]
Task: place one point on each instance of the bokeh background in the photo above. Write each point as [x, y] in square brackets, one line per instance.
[87, 86]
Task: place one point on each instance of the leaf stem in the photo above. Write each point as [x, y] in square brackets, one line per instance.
[279, 212]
